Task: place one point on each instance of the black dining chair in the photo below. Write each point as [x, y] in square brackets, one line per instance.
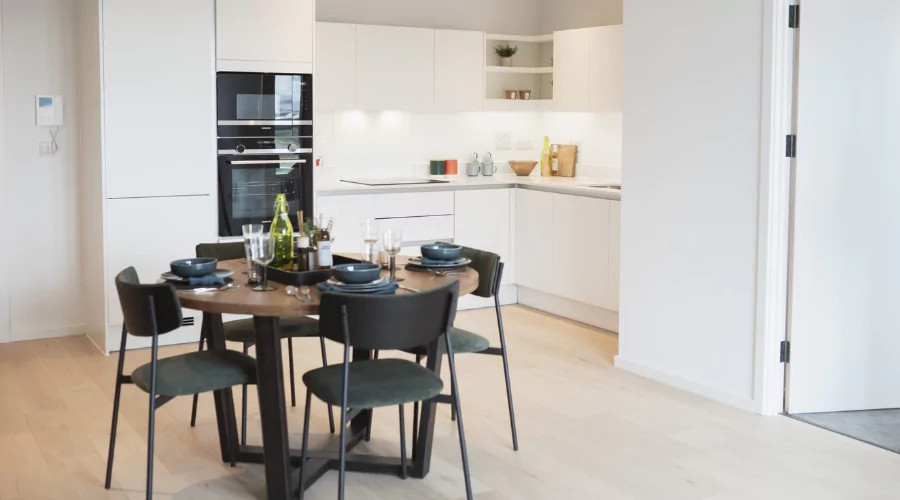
[151, 311]
[242, 331]
[490, 274]
[388, 322]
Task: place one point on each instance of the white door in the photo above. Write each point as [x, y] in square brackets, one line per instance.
[580, 240]
[275, 31]
[571, 70]
[606, 69]
[844, 327]
[335, 73]
[458, 70]
[394, 68]
[533, 239]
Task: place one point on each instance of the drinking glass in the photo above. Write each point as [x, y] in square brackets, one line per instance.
[392, 241]
[262, 248]
[370, 238]
[249, 231]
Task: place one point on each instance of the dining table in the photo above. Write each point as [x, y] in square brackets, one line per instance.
[282, 462]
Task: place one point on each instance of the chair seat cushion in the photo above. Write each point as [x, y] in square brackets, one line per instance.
[374, 383]
[299, 326]
[462, 341]
[197, 372]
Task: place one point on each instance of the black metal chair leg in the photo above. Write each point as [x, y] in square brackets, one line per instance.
[291, 369]
[152, 418]
[244, 406]
[453, 405]
[371, 412]
[509, 397]
[196, 396]
[305, 447]
[459, 423]
[415, 433]
[115, 415]
[343, 462]
[325, 363]
[404, 473]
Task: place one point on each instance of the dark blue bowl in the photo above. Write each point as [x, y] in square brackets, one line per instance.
[441, 251]
[356, 274]
[193, 268]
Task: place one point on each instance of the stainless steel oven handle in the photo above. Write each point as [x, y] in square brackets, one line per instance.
[250, 152]
[251, 123]
[263, 162]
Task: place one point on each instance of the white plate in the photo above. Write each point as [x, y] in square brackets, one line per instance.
[373, 284]
[222, 273]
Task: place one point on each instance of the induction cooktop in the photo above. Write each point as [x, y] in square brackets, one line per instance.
[400, 181]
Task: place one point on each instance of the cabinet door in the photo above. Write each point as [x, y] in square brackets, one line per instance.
[348, 213]
[335, 67]
[458, 70]
[395, 68]
[147, 234]
[615, 253]
[159, 89]
[606, 68]
[580, 240]
[483, 222]
[534, 239]
[263, 30]
[571, 70]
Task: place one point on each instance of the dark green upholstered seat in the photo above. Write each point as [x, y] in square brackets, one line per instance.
[375, 383]
[301, 326]
[197, 372]
[463, 341]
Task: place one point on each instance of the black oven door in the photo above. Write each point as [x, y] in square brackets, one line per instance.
[248, 186]
[264, 104]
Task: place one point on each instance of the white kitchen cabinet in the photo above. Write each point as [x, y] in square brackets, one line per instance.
[335, 66]
[420, 230]
[394, 68]
[580, 241]
[348, 213]
[458, 70]
[605, 68]
[615, 253]
[272, 36]
[412, 204]
[534, 239]
[147, 234]
[158, 95]
[571, 70]
[483, 222]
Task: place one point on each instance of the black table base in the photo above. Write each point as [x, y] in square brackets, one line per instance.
[279, 459]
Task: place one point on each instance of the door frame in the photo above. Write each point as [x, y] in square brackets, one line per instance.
[774, 218]
[5, 317]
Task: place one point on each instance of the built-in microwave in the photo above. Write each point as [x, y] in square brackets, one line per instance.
[264, 104]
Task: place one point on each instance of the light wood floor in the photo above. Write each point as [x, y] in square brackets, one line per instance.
[586, 430]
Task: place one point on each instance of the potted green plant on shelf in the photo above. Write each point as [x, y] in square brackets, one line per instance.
[506, 52]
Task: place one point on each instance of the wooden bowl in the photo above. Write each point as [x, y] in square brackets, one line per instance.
[522, 168]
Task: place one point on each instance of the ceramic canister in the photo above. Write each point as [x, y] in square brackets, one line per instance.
[438, 167]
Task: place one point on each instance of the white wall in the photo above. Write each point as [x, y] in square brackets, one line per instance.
[4, 210]
[571, 14]
[384, 144]
[492, 16]
[691, 163]
[43, 230]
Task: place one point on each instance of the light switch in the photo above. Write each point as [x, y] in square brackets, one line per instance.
[46, 148]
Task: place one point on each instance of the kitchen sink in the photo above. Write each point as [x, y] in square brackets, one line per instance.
[606, 186]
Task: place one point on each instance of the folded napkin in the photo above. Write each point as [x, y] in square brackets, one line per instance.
[209, 279]
[387, 289]
[440, 263]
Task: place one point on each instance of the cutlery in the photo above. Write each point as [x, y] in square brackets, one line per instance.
[448, 273]
[408, 289]
[222, 288]
[302, 294]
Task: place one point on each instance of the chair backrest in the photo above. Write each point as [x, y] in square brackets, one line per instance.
[488, 266]
[389, 322]
[135, 299]
[221, 251]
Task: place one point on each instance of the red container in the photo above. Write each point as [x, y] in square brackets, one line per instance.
[452, 167]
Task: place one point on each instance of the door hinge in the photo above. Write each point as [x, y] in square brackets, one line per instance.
[794, 16]
[790, 150]
[785, 351]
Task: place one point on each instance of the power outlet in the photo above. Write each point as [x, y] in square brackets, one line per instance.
[503, 141]
[46, 148]
[525, 145]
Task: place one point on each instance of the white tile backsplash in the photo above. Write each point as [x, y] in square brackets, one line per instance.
[393, 143]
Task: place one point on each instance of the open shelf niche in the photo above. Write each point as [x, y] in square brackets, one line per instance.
[532, 70]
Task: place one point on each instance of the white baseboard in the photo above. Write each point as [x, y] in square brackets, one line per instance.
[746, 404]
[570, 309]
[508, 296]
[45, 333]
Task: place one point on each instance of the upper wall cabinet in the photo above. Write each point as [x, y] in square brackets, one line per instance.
[458, 70]
[272, 36]
[146, 107]
[395, 68]
[335, 73]
[606, 68]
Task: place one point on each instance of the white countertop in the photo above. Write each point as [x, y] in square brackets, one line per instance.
[565, 185]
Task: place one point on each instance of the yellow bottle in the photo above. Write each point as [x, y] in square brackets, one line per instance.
[546, 167]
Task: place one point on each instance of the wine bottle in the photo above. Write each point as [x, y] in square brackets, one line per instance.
[323, 244]
[282, 232]
[546, 158]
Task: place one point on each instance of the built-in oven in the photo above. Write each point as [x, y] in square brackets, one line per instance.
[264, 104]
[252, 171]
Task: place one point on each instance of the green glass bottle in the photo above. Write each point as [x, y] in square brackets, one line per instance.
[282, 233]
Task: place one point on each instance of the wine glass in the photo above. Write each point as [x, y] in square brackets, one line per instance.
[262, 248]
[370, 238]
[249, 231]
[392, 241]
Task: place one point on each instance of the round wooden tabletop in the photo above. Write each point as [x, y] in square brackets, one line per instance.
[244, 300]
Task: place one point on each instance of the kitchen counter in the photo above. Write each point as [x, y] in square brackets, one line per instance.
[577, 186]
